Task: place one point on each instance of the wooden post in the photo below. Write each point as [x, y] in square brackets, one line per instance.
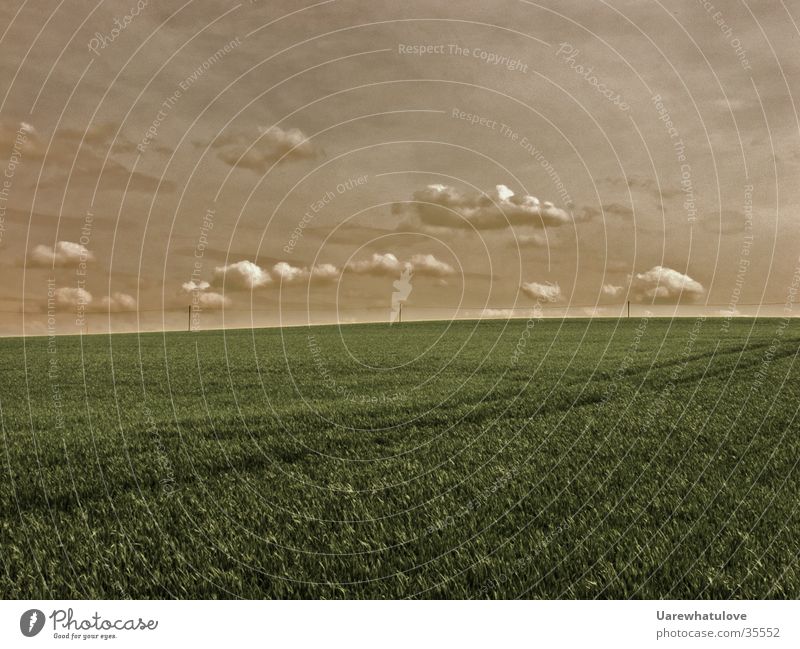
[190, 319]
[400, 318]
[629, 308]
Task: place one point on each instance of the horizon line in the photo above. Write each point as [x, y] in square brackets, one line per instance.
[651, 316]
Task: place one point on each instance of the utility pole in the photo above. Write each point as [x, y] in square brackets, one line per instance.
[629, 308]
[190, 318]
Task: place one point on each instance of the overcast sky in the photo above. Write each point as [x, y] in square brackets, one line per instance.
[273, 162]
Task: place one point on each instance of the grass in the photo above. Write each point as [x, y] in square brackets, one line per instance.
[500, 459]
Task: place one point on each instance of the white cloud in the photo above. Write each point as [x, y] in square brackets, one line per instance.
[64, 254]
[610, 290]
[249, 275]
[287, 272]
[535, 240]
[212, 300]
[378, 264]
[430, 266]
[282, 141]
[444, 207]
[241, 275]
[665, 284]
[118, 303]
[203, 297]
[72, 297]
[69, 297]
[499, 313]
[325, 272]
[191, 285]
[548, 291]
[388, 264]
[269, 146]
[19, 135]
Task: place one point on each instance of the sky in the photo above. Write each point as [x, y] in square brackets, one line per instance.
[198, 164]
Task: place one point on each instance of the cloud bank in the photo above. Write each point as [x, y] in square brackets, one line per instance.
[444, 207]
[387, 264]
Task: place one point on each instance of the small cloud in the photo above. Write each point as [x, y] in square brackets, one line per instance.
[535, 240]
[203, 297]
[325, 272]
[664, 284]
[21, 137]
[268, 147]
[65, 254]
[428, 265]
[499, 313]
[610, 290]
[378, 264]
[191, 285]
[287, 273]
[211, 300]
[548, 291]
[241, 275]
[118, 303]
[387, 264]
[70, 297]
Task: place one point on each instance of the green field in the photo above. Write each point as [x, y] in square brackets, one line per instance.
[499, 459]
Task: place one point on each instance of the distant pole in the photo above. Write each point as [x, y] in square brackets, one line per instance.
[400, 319]
[629, 308]
[190, 318]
